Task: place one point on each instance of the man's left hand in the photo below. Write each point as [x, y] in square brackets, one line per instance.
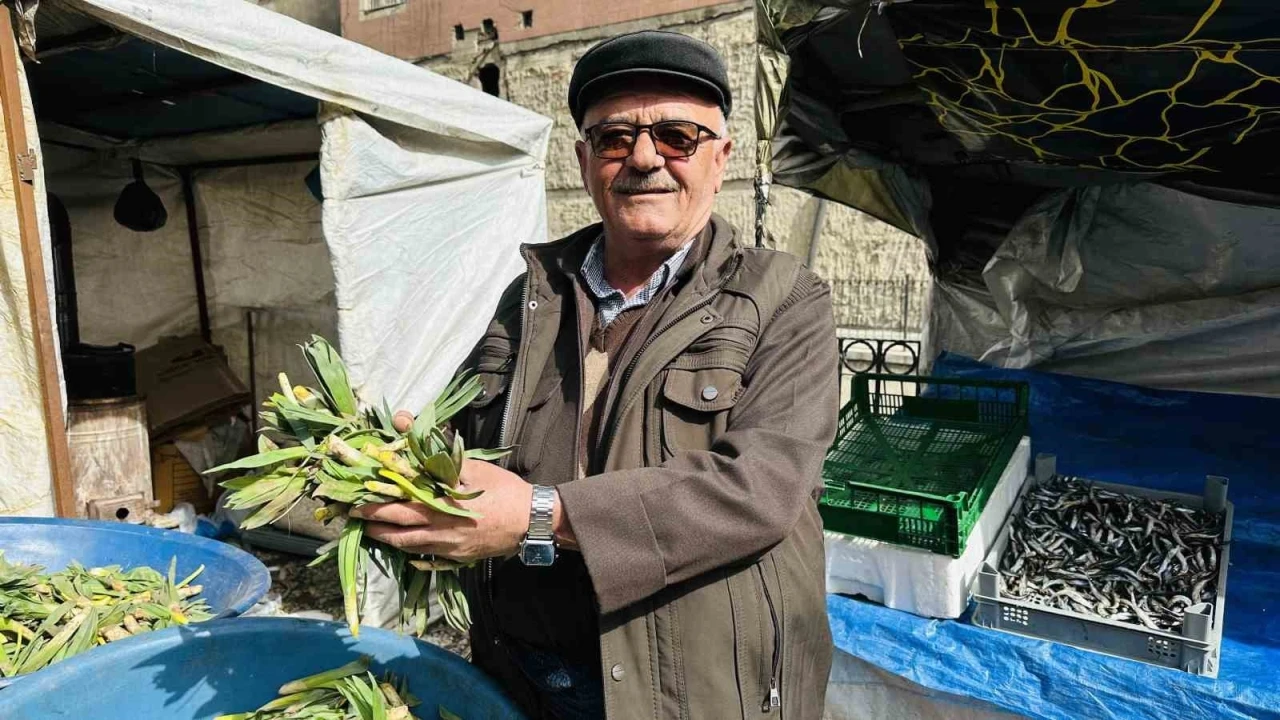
[503, 507]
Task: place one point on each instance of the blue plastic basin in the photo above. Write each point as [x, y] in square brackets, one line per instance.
[225, 666]
[233, 580]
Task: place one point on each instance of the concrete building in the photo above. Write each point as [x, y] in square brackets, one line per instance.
[525, 50]
[323, 14]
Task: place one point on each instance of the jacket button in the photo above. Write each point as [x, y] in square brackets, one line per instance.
[617, 673]
[706, 319]
[710, 393]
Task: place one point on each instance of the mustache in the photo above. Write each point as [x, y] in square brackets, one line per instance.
[630, 183]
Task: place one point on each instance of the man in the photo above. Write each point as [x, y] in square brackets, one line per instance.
[652, 547]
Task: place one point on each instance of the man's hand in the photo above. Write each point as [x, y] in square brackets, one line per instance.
[503, 507]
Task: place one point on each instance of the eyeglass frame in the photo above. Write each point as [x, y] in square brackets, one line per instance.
[637, 129]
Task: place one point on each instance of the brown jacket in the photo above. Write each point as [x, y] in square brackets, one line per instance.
[698, 523]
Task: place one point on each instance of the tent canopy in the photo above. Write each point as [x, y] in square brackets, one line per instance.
[136, 90]
[1086, 175]
[425, 180]
[993, 105]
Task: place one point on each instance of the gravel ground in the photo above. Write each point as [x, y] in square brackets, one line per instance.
[316, 589]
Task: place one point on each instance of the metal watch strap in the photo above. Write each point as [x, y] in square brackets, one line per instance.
[541, 513]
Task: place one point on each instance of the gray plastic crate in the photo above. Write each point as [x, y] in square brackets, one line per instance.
[1195, 650]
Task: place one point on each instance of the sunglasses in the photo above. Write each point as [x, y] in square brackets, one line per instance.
[671, 138]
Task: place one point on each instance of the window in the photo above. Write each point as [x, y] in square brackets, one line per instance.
[371, 5]
[459, 32]
[489, 79]
[488, 29]
[526, 19]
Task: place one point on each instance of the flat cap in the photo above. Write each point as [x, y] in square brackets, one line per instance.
[647, 52]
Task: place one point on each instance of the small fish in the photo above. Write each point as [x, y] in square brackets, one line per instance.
[1078, 547]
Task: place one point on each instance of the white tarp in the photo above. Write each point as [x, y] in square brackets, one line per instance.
[416, 209]
[279, 50]
[430, 186]
[1133, 283]
[422, 249]
[24, 459]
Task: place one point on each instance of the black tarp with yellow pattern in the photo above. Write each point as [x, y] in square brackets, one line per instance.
[948, 119]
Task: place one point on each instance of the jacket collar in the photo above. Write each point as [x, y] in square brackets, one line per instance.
[705, 266]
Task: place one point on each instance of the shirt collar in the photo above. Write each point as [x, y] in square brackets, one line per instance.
[610, 301]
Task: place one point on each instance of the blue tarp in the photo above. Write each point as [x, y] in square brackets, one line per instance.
[1137, 436]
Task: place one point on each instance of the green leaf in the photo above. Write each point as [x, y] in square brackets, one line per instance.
[272, 457]
[348, 474]
[487, 455]
[425, 420]
[459, 495]
[242, 482]
[440, 466]
[349, 571]
[338, 491]
[331, 373]
[259, 492]
[461, 395]
[84, 636]
[458, 454]
[327, 678]
[426, 498]
[377, 704]
[297, 415]
[324, 557]
[279, 506]
[266, 444]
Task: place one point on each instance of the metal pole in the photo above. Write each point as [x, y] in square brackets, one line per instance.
[22, 168]
[906, 303]
[819, 218]
[197, 263]
[253, 370]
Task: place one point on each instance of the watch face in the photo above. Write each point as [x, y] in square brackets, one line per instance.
[538, 554]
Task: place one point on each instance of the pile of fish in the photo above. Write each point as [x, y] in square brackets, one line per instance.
[1078, 547]
[49, 617]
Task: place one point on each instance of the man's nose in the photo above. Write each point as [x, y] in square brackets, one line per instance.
[644, 156]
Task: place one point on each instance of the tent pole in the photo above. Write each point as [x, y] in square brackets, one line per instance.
[22, 167]
[197, 262]
[253, 369]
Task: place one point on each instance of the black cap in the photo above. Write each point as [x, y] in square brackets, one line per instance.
[647, 52]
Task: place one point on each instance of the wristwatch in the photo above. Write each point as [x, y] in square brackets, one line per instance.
[538, 549]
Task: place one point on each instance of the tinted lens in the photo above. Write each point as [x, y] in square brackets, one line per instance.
[676, 138]
[613, 140]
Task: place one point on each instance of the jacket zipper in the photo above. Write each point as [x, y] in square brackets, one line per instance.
[635, 359]
[502, 425]
[775, 695]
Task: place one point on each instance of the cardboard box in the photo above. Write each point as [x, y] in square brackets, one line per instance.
[174, 480]
[186, 380]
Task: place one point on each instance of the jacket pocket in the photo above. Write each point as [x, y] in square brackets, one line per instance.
[484, 414]
[538, 418]
[773, 655]
[695, 407]
[757, 639]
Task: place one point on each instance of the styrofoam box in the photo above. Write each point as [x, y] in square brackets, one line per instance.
[915, 580]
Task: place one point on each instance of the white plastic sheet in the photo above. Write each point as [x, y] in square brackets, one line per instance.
[25, 465]
[430, 188]
[423, 233]
[1134, 283]
[271, 47]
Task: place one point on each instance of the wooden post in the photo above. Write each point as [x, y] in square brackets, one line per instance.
[22, 167]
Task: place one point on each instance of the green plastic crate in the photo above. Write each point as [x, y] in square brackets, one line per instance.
[916, 458]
